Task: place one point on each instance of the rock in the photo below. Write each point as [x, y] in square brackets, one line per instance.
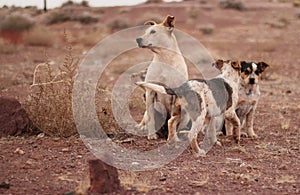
[14, 120]
[103, 178]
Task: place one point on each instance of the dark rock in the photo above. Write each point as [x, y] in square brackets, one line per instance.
[14, 120]
[103, 178]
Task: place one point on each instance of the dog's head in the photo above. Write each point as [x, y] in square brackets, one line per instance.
[232, 67]
[158, 35]
[251, 71]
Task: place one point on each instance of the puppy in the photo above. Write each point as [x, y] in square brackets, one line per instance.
[203, 102]
[168, 66]
[249, 94]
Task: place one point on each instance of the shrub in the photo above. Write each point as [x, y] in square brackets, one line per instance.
[68, 15]
[232, 4]
[15, 23]
[118, 24]
[50, 103]
[39, 36]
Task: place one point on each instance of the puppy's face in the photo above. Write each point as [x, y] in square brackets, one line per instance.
[157, 35]
[251, 72]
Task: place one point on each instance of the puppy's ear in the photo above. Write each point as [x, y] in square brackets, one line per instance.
[236, 65]
[169, 22]
[150, 22]
[263, 65]
[218, 64]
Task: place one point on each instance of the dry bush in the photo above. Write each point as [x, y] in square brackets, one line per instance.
[64, 15]
[232, 4]
[39, 36]
[15, 23]
[90, 38]
[49, 106]
[118, 24]
[6, 47]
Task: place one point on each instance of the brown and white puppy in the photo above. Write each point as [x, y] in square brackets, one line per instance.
[249, 94]
[202, 102]
[168, 66]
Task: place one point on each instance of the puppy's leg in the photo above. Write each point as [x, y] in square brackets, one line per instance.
[249, 124]
[172, 127]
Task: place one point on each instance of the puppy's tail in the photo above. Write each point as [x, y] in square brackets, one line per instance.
[157, 87]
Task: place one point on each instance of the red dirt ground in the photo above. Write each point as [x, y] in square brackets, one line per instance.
[266, 31]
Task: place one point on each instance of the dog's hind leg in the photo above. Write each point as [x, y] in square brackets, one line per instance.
[210, 137]
[172, 127]
[232, 118]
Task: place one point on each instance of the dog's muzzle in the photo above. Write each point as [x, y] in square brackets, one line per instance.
[252, 81]
[139, 42]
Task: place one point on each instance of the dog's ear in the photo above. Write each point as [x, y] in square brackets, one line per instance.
[236, 65]
[150, 22]
[218, 64]
[263, 66]
[169, 22]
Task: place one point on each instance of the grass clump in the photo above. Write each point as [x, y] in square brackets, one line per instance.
[39, 36]
[49, 105]
[68, 15]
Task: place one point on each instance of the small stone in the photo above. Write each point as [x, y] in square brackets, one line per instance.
[19, 151]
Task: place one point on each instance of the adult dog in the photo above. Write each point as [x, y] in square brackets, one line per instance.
[168, 66]
[203, 102]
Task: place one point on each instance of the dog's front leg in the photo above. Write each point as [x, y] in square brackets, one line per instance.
[249, 123]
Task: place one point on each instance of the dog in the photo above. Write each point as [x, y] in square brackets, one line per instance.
[202, 102]
[167, 66]
[249, 94]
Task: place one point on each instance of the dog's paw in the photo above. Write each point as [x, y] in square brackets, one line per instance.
[153, 136]
[219, 143]
[141, 127]
[253, 136]
[243, 134]
[201, 153]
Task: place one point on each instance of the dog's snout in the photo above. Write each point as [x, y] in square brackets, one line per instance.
[139, 42]
[252, 81]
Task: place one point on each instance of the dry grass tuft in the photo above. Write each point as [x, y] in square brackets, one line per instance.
[50, 104]
[118, 24]
[39, 36]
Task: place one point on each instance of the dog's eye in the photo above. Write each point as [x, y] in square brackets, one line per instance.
[152, 31]
[257, 72]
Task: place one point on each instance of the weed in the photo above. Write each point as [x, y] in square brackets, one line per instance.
[50, 104]
[118, 24]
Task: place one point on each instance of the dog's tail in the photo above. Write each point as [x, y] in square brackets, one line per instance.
[157, 87]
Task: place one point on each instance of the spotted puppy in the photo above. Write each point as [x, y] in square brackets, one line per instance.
[202, 102]
[249, 94]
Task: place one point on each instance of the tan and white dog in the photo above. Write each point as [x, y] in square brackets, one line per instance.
[249, 94]
[202, 102]
[168, 66]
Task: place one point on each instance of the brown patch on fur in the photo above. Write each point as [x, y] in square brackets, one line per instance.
[263, 65]
[236, 65]
[219, 64]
